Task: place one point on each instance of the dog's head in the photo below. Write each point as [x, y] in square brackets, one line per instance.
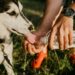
[12, 17]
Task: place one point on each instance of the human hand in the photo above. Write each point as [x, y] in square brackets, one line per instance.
[35, 39]
[64, 31]
[41, 54]
[31, 49]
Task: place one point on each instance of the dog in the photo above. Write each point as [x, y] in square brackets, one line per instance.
[11, 20]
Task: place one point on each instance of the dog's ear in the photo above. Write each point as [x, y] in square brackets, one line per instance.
[4, 5]
[20, 6]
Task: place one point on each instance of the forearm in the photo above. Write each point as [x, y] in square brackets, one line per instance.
[51, 10]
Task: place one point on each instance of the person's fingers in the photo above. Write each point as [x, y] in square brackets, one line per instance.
[61, 38]
[31, 49]
[66, 39]
[37, 44]
[25, 45]
[35, 50]
[71, 37]
[52, 37]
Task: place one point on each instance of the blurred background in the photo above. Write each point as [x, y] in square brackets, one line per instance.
[57, 63]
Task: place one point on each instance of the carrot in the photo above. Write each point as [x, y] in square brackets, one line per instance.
[36, 63]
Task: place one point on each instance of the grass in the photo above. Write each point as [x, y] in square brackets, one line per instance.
[57, 62]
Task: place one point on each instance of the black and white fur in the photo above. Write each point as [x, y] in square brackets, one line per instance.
[11, 20]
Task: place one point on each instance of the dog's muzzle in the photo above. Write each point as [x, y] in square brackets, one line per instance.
[31, 27]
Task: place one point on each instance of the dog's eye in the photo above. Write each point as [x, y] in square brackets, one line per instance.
[13, 13]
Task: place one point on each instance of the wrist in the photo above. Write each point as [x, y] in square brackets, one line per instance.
[40, 33]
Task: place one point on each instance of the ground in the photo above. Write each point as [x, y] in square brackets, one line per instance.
[57, 62]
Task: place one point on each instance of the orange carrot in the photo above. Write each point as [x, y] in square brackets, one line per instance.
[36, 64]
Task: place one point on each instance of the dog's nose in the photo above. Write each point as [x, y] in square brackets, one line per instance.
[31, 28]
